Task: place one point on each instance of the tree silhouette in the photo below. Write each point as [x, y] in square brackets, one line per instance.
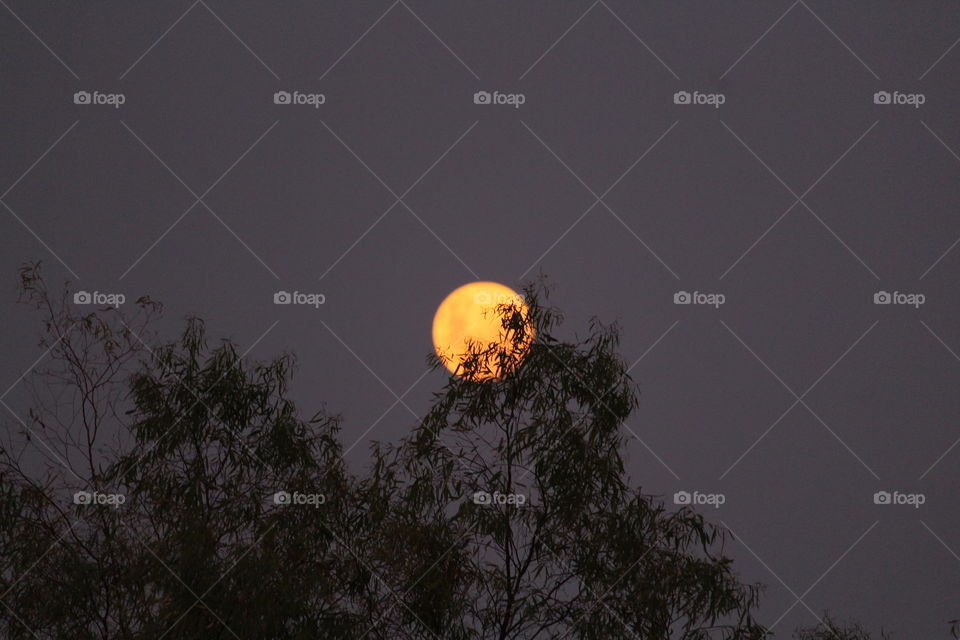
[505, 514]
[523, 478]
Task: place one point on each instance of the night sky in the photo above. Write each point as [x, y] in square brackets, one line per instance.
[815, 166]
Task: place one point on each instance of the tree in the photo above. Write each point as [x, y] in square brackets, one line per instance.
[534, 530]
[189, 540]
[171, 489]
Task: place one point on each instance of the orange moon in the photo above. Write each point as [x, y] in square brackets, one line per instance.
[468, 315]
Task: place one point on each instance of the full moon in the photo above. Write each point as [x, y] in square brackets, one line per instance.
[469, 316]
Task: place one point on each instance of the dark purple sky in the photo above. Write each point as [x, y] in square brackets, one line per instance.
[798, 199]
